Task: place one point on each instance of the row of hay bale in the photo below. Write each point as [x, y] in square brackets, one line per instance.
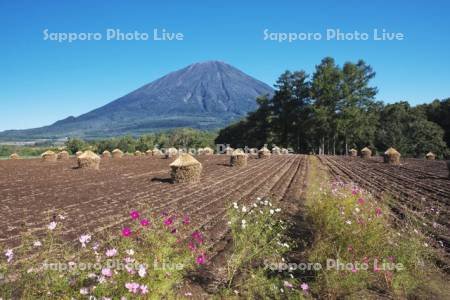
[391, 156]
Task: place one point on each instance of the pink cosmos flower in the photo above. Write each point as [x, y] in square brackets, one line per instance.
[378, 211]
[111, 252]
[132, 287]
[288, 285]
[168, 221]
[354, 270]
[186, 220]
[304, 286]
[354, 192]
[126, 231]
[144, 289]
[107, 272]
[145, 222]
[134, 214]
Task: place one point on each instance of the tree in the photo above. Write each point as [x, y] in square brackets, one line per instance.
[74, 145]
[326, 93]
[354, 114]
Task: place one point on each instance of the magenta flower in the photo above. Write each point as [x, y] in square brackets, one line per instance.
[145, 222]
[192, 246]
[354, 192]
[378, 211]
[197, 236]
[134, 214]
[186, 220]
[168, 221]
[126, 231]
[201, 259]
[360, 201]
[173, 231]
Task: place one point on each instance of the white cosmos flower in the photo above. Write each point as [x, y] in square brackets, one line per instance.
[37, 243]
[142, 271]
[130, 252]
[244, 209]
[52, 225]
[84, 291]
[243, 224]
[9, 253]
[84, 239]
[271, 211]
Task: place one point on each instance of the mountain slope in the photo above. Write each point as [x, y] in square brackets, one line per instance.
[202, 95]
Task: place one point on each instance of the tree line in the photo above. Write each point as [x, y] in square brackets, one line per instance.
[334, 110]
[179, 138]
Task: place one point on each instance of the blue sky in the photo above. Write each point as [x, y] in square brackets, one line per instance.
[44, 81]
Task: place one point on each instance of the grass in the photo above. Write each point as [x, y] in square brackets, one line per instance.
[146, 261]
[259, 239]
[378, 259]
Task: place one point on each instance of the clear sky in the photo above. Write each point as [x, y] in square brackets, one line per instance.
[42, 81]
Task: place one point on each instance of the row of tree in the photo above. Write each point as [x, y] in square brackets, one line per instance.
[179, 138]
[335, 110]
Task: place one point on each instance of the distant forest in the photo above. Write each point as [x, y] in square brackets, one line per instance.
[335, 110]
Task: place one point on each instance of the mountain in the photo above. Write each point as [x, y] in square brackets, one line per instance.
[202, 95]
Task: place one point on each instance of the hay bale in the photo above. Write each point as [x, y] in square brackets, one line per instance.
[89, 160]
[366, 153]
[238, 159]
[157, 152]
[284, 151]
[117, 153]
[48, 156]
[353, 152]
[430, 156]
[208, 151]
[200, 151]
[14, 156]
[253, 152]
[106, 154]
[137, 153]
[63, 155]
[79, 153]
[392, 156]
[149, 152]
[264, 153]
[185, 169]
[276, 150]
[171, 152]
[229, 150]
